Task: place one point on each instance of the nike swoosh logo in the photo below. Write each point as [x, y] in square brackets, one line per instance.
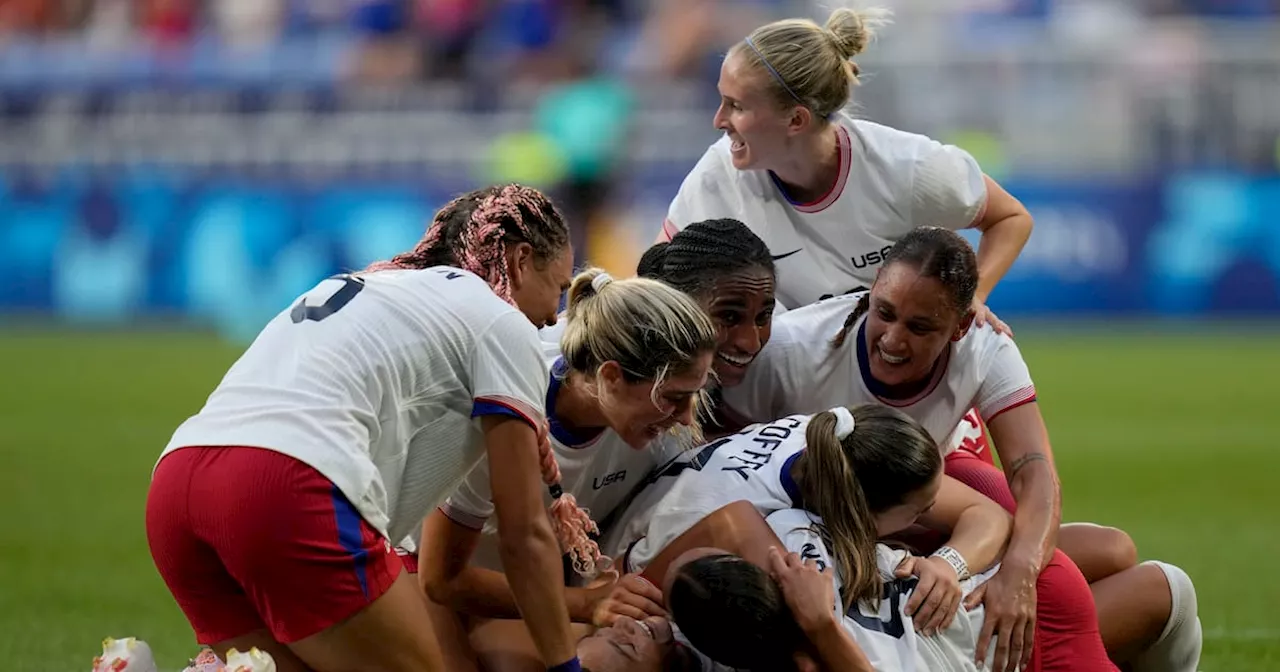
[780, 257]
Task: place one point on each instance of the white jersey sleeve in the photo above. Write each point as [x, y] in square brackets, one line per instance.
[510, 375]
[708, 192]
[1006, 382]
[471, 504]
[948, 190]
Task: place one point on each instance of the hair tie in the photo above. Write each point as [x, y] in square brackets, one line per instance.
[598, 282]
[844, 422]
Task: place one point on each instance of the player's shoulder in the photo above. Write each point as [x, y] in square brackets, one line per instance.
[447, 284]
[887, 141]
[814, 322]
[982, 345]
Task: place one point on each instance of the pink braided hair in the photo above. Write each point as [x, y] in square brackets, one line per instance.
[483, 249]
[483, 241]
[572, 526]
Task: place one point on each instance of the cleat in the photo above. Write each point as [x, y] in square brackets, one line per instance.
[256, 660]
[124, 655]
[207, 661]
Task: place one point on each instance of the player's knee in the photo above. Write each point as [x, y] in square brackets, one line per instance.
[1099, 551]
[1116, 551]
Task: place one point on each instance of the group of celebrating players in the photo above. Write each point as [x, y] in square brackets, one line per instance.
[764, 452]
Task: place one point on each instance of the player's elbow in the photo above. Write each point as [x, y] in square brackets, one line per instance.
[436, 587]
[435, 583]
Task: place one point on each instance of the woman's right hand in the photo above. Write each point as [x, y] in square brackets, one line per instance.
[631, 596]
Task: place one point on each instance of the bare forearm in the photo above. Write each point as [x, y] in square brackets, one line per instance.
[1035, 526]
[999, 247]
[536, 575]
[478, 592]
[484, 592]
[977, 540]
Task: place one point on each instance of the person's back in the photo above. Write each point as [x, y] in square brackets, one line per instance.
[359, 369]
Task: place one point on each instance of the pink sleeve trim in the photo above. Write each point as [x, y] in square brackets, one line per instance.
[1009, 402]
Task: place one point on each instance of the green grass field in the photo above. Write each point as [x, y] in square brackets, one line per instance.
[1169, 437]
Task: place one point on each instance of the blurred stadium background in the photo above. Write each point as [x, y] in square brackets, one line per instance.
[173, 172]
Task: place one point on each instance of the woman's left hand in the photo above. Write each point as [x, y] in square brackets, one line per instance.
[982, 315]
[936, 598]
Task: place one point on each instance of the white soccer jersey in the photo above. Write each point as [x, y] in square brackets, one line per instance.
[375, 380]
[754, 465]
[890, 182]
[799, 371]
[600, 471]
[887, 636]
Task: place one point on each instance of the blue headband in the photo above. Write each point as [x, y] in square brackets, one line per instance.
[773, 72]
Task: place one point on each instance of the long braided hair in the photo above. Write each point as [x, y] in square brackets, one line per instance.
[472, 232]
[703, 253]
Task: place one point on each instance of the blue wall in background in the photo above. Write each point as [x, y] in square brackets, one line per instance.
[108, 248]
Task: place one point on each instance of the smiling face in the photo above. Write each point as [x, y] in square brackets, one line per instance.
[628, 646]
[642, 411]
[757, 126]
[909, 323]
[742, 308]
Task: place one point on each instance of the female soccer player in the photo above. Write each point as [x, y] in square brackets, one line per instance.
[755, 609]
[351, 416]
[802, 460]
[910, 343]
[830, 194]
[729, 271]
[632, 362]
[891, 487]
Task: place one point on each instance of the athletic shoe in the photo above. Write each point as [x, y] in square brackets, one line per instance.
[124, 655]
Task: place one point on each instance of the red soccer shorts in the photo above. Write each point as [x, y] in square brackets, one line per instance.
[248, 538]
